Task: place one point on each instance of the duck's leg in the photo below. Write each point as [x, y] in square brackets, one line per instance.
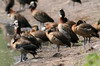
[33, 53]
[84, 42]
[24, 57]
[89, 39]
[58, 46]
[21, 60]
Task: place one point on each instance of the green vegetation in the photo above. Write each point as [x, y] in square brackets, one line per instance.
[6, 55]
[93, 60]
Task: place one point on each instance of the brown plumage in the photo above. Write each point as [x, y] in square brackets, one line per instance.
[85, 30]
[25, 44]
[39, 15]
[48, 25]
[66, 31]
[97, 25]
[39, 34]
[70, 23]
[9, 4]
[57, 38]
[21, 19]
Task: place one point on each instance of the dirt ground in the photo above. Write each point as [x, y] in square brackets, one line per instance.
[48, 56]
[75, 56]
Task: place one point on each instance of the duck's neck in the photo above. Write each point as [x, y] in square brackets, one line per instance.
[61, 20]
[12, 11]
[32, 9]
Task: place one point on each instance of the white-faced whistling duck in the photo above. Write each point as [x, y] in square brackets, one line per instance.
[65, 29]
[78, 1]
[85, 30]
[57, 37]
[9, 4]
[39, 15]
[18, 31]
[16, 16]
[25, 44]
[97, 25]
[24, 2]
[65, 19]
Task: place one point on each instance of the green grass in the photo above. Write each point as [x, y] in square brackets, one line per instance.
[93, 60]
[6, 55]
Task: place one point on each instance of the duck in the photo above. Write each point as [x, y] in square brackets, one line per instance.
[66, 30]
[85, 30]
[39, 15]
[57, 38]
[25, 44]
[17, 16]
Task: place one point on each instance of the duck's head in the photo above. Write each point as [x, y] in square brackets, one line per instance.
[33, 5]
[61, 13]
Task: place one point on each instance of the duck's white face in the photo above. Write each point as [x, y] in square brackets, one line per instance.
[16, 24]
[60, 14]
[31, 3]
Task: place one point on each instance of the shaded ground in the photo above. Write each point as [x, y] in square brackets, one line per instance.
[89, 11]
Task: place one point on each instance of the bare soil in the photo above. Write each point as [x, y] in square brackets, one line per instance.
[89, 11]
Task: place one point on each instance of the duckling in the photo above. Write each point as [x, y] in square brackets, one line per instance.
[65, 29]
[39, 15]
[85, 30]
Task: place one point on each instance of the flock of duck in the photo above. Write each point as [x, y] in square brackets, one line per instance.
[28, 39]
